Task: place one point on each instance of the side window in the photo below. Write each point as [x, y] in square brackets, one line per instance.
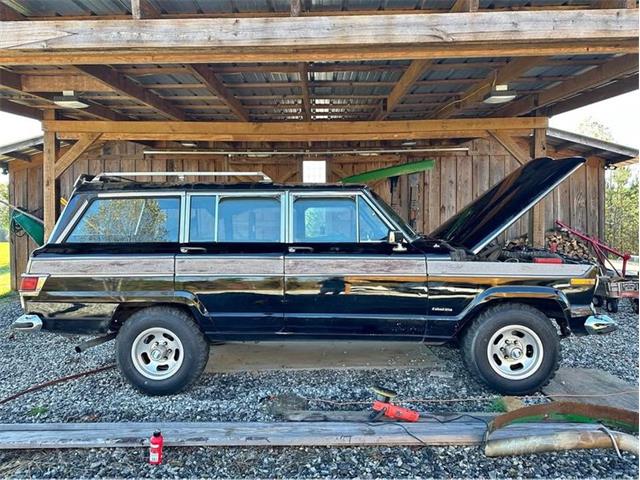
[202, 219]
[249, 219]
[324, 220]
[129, 220]
[372, 228]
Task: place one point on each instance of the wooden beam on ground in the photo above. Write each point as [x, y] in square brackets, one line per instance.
[610, 90]
[49, 193]
[143, 9]
[81, 146]
[215, 86]
[409, 78]
[182, 434]
[511, 146]
[125, 86]
[465, 6]
[537, 213]
[18, 109]
[303, 71]
[306, 38]
[10, 14]
[601, 75]
[295, 131]
[475, 93]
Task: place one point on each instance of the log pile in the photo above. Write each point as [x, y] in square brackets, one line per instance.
[566, 245]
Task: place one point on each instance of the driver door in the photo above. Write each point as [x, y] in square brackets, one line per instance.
[342, 279]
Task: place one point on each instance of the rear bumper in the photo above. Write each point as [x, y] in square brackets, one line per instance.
[80, 326]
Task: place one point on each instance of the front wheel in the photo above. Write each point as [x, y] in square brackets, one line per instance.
[161, 351]
[513, 348]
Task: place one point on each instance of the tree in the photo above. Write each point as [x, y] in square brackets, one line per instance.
[4, 212]
[621, 210]
[591, 127]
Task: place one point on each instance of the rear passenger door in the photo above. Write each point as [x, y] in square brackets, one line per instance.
[232, 260]
[343, 279]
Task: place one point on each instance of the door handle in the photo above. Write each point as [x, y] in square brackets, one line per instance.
[193, 250]
[300, 249]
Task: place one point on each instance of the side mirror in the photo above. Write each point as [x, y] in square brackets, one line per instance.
[396, 238]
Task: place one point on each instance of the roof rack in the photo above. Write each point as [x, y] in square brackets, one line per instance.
[122, 175]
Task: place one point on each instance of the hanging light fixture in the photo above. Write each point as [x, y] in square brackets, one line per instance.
[499, 94]
[69, 100]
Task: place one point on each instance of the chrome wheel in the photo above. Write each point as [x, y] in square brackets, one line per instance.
[157, 353]
[515, 352]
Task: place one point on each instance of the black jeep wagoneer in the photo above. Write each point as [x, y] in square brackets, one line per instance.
[171, 268]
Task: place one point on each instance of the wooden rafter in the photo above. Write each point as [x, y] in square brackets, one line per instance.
[18, 109]
[303, 71]
[619, 87]
[125, 86]
[215, 86]
[474, 94]
[13, 81]
[8, 13]
[465, 6]
[292, 131]
[601, 75]
[411, 75]
[366, 37]
[143, 9]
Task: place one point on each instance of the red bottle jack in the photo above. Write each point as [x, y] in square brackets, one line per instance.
[155, 448]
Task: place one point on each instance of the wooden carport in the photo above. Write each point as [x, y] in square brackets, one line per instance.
[281, 75]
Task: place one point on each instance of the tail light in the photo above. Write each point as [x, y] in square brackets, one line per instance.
[31, 284]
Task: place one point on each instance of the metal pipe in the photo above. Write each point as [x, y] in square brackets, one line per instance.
[269, 153]
[94, 342]
[560, 442]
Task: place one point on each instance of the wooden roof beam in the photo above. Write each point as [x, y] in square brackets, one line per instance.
[124, 86]
[365, 37]
[298, 131]
[407, 81]
[141, 9]
[303, 71]
[474, 94]
[13, 81]
[601, 75]
[215, 86]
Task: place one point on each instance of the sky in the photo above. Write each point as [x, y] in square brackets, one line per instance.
[619, 114]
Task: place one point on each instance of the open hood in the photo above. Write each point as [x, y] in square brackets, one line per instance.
[492, 213]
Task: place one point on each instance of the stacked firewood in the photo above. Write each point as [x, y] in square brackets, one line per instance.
[566, 245]
[569, 245]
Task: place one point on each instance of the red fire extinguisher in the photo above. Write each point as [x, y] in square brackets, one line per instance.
[155, 448]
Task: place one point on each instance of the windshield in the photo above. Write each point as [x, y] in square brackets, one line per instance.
[391, 213]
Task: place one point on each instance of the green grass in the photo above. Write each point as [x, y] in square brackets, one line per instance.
[5, 271]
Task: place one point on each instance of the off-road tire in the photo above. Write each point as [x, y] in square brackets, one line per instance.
[613, 304]
[195, 346]
[476, 337]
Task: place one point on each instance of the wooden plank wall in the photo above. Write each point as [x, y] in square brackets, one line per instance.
[430, 197]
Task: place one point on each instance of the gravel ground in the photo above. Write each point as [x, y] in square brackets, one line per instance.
[32, 359]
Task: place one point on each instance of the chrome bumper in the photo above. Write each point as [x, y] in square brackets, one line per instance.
[600, 324]
[27, 323]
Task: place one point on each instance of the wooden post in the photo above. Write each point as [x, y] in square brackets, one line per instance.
[537, 213]
[50, 195]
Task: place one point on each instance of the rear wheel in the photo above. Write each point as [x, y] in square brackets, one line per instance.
[613, 305]
[513, 348]
[161, 351]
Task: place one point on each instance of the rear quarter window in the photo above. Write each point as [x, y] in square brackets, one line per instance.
[129, 220]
